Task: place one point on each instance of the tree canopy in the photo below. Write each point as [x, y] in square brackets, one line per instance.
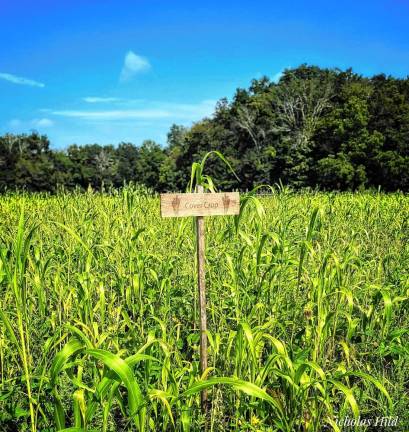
[325, 128]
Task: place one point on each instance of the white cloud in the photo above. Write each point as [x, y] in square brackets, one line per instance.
[190, 111]
[133, 64]
[276, 77]
[26, 124]
[96, 99]
[20, 80]
[42, 123]
[152, 110]
[113, 114]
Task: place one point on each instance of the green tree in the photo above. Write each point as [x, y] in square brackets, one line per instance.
[147, 169]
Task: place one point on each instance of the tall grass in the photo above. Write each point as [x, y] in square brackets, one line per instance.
[307, 313]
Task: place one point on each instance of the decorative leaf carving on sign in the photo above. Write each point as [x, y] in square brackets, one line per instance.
[226, 202]
[176, 203]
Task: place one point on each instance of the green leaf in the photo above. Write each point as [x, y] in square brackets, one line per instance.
[124, 372]
[70, 348]
[244, 386]
[72, 429]
[376, 383]
[349, 396]
[10, 331]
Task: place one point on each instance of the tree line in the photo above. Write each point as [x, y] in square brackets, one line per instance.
[320, 128]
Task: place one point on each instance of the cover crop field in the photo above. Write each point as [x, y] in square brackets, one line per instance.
[307, 313]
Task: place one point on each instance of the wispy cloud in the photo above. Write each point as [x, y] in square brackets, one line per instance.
[152, 110]
[96, 99]
[113, 114]
[133, 64]
[17, 124]
[276, 77]
[42, 123]
[20, 80]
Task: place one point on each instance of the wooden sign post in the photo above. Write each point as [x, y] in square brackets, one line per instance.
[200, 204]
[201, 282]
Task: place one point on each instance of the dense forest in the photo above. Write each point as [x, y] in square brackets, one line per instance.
[319, 128]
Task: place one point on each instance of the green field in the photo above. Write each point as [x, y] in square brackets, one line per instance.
[307, 313]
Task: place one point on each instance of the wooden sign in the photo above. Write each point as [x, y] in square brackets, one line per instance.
[199, 204]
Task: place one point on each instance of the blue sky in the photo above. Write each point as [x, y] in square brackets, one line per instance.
[110, 71]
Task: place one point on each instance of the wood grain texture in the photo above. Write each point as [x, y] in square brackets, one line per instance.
[200, 204]
[201, 279]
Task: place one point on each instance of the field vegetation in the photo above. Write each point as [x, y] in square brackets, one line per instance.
[307, 313]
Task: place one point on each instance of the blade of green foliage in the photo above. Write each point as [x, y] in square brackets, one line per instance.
[240, 385]
[71, 348]
[124, 372]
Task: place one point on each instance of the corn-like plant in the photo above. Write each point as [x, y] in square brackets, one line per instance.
[307, 301]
